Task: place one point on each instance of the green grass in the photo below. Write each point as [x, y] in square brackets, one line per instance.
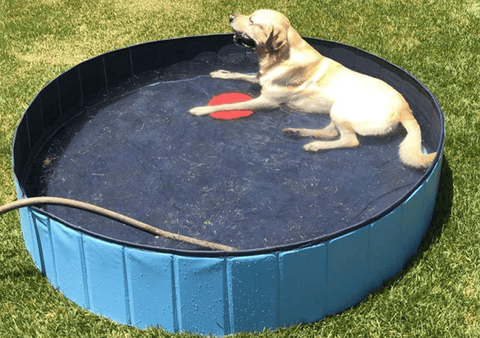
[436, 295]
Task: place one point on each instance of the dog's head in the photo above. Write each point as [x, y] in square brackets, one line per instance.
[263, 31]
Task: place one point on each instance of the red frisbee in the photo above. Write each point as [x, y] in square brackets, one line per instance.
[230, 98]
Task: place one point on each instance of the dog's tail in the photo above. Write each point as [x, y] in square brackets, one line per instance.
[410, 150]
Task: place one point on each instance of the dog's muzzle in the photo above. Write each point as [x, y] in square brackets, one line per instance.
[240, 38]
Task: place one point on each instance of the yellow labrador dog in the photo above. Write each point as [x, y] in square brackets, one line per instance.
[293, 75]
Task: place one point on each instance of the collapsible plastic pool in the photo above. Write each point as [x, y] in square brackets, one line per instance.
[315, 232]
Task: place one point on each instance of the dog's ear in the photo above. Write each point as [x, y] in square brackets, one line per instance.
[277, 38]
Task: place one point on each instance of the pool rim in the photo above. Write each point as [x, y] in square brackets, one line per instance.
[257, 251]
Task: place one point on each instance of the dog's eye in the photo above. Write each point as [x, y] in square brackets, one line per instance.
[250, 20]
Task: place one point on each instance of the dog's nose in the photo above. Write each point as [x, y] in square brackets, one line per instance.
[231, 17]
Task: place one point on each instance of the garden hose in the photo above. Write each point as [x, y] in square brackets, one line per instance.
[25, 202]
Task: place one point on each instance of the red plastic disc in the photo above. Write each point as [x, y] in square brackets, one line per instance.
[230, 98]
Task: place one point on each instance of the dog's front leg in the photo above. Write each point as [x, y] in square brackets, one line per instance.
[259, 103]
[226, 75]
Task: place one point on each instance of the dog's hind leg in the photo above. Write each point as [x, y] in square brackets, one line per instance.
[348, 139]
[329, 132]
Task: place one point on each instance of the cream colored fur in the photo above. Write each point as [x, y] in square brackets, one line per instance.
[295, 76]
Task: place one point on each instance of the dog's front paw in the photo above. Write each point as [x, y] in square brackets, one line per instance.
[221, 74]
[313, 146]
[292, 132]
[198, 111]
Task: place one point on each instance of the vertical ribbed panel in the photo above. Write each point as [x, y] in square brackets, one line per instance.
[69, 263]
[253, 291]
[347, 268]
[414, 222]
[44, 241]
[106, 276]
[200, 295]
[303, 285]
[385, 255]
[151, 288]
[28, 230]
[93, 82]
[431, 189]
[50, 104]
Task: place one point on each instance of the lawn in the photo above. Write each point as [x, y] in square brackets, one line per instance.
[438, 292]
